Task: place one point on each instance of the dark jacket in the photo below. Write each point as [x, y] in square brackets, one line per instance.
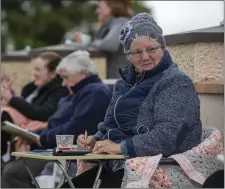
[44, 104]
[79, 112]
[157, 112]
[107, 40]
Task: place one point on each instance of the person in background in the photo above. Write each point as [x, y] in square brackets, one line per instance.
[7, 81]
[112, 15]
[154, 108]
[38, 100]
[81, 110]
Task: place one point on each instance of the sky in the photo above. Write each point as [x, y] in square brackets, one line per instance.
[180, 16]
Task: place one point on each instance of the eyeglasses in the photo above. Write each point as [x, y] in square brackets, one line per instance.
[139, 53]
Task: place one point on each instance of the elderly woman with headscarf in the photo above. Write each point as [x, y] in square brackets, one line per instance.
[154, 109]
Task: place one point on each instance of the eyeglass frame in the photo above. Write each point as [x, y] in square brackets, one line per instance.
[153, 50]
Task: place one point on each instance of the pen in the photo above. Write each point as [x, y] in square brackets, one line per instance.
[85, 137]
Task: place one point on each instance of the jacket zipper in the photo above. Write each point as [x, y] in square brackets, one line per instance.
[118, 100]
[115, 111]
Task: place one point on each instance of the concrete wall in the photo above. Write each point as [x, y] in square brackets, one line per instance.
[212, 110]
[200, 61]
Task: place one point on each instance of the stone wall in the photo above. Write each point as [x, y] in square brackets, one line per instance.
[201, 61]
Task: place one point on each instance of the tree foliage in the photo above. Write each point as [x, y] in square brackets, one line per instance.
[44, 22]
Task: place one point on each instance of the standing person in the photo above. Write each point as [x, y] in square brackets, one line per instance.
[154, 109]
[112, 15]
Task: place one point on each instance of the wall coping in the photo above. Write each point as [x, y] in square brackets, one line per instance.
[211, 34]
[61, 49]
[204, 87]
[64, 50]
[210, 87]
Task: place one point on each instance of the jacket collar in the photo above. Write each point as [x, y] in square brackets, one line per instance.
[86, 81]
[51, 84]
[130, 76]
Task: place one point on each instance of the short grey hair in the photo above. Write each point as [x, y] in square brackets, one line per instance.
[77, 62]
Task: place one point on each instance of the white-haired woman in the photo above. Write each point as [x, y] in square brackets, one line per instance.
[77, 112]
[75, 67]
[82, 110]
[154, 108]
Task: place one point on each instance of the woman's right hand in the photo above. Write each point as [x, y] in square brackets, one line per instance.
[85, 145]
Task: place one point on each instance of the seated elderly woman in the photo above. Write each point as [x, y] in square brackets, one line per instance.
[81, 110]
[154, 108]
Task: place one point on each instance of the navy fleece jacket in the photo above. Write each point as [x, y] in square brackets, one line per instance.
[79, 112]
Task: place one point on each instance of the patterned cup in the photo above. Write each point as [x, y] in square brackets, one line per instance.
[64, 142]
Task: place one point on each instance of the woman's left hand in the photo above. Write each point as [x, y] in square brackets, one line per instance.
[106, 146]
